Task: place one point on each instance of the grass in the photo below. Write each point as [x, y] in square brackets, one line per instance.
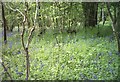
[84, 56]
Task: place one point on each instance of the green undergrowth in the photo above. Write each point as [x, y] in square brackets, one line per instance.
[73, 57]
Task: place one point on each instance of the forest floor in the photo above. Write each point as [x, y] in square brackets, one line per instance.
[65, 56]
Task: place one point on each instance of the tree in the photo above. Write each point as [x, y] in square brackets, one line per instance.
[4, 23]
[102, 13]
[28, 40]
[90, 13]
[26, 47]
[118, 26]
[115, 21]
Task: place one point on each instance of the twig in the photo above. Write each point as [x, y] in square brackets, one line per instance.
[5, 69]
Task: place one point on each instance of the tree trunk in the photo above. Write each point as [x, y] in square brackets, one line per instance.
[4, 23]
[90, 13]
[39, 16]
[118, 29]
[18, 28]
[118, 26]
[115, 23]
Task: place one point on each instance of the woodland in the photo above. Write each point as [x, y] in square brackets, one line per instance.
[60, 41]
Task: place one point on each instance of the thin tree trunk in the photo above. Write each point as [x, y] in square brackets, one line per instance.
[114, 26]
[39, 16]
[4, 23]
[18, 28]
[27, 14]
[29, 37]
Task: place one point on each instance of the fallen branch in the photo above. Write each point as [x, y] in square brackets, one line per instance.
[5, 69]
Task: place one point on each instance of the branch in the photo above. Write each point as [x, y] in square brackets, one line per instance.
[18, 11]
[22, 35]
[23, 22]
[5, 69]
[33, 28]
